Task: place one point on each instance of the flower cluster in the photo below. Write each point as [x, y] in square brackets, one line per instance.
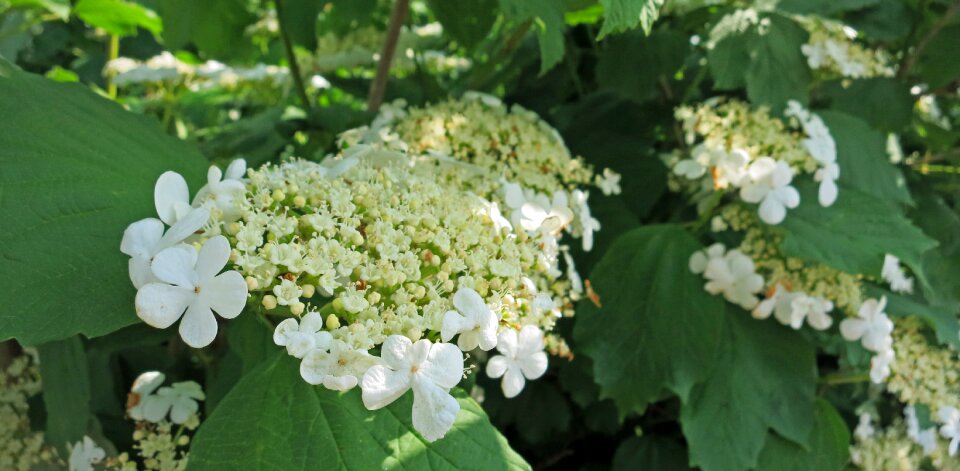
[167, 68]
[903, 445]
[832, 51]
[737, 148]
[384, 247]
[21, 448]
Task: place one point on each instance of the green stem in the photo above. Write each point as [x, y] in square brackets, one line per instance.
[840, 378]
[113, 52]
[292, 58]
[379, 86]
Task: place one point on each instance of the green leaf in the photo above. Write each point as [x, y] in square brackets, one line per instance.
[624, 15]
[854, 234]
[59, 8]
[940, 274]
[299, 20]
[649, 452]
[118, 17]
[940, 62]
[66, 391]
[766, 59]
[216, 27]
[548, 22]
[763, 380]
[888, 20]
[829, 446]
[823, 7]
[658, 330]
[884, 102]
[77, 170]
[633, 64]
[467, 21]
[863, 160]
[272, 419]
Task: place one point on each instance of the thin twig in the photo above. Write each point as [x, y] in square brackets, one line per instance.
[912, 58]
[113, 51]
[379, 86]
[292, 58]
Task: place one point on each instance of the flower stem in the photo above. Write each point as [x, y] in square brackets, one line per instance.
[292, 58]
[379, 86]
[113, 51]
[840, 378]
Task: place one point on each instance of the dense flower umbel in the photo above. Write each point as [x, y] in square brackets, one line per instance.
[832, 51]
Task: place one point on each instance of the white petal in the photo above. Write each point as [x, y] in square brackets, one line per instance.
[340, 383]
[469, 340]
[828, 192]
[512, 382]
[283, 329]
[185, 227]
[453, 323]
[199, 326]
[141, 238]
[236, 170]
[488, 333]
[533, 366]
[155, 408]
[497, 365]
[434, 410]
[313, 368]
[213, 257]
[852, 329]
[147, 382]
[169, 192]
[160, 305]
[772, 211]
[394, 352]
[226, 293]
[182, 410]
[311, 322]
[140, 272]
[530, 340]
[469, 303]
[175, 265]
[443, 366]
[381, 386]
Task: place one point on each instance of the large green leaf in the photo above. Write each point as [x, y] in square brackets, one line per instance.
[649, 452]
[764, 380]
[216, 27]
[77, 169]
[862, 157]
[829, 446]
[272, 419]
[624, 15]
[940, 275]
[117, 16]
[940, 62]
[66, 391]
[766, 59]
[547, 20]
[884, 102]
[658, 330]
[633, 65]
[467, 21]
[823, 7]
[854, 234]
[299, 19]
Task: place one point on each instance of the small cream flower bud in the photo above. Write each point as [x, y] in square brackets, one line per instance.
[373, 297]
[269, 301]
[297, 308]
[413, 334]
[252, 283]
[308, 290]
[299, 201]
[333, 322]
[278, 195]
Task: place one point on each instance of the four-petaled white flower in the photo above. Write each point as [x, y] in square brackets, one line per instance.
[430, 369]
[144, 239]
[473, 320]
[84, 454]
[588, 223]
[195, 287]
[768, 183]
[171, 197]
[537, 212]
[871, 326]
[609, 183]
[492, 211]
[950, 427]
[338, 369]
[893, 274]
[178, 399]
[142, 392]
[521, 358]
[880, 365]
[302, 337]
[223, 188]
[731, 273]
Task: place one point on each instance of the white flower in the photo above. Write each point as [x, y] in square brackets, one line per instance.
[171, 197]
[731, 168]
[812, 309]
[178, 399]
[871, 326]
[430, 369]
[950, 428]
[484, 98]
[547, 216]
[769, 184]
[522, 356]
[880, 365]
[85, 454]
[287, 293]
[893, 274]
[492, 210]
[588, 224]
[609, 183]
[690, 169]
[576, 282]
[223, 188]
[338, 369]
[731, 273]
[143, 388]
[925, 438]
[475, 322]
[144, 239]
[827, 176]
[195, 287]
[303, 337]
[864, 428]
